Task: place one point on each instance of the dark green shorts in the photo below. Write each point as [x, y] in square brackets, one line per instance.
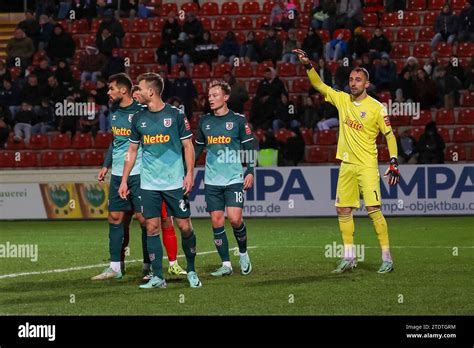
[177, 204]
[219, 197]
[133, 202]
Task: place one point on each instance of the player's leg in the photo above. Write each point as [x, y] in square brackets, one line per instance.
[369, 179]
[178, 206]
[234, 201]
[151, 203]
[126, 238]
[170, 242]
[347, 197]
[215, 205]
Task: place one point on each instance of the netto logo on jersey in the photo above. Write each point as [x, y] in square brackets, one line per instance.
[353, 124]
[120, 131]
[221, 139]
[156, 139]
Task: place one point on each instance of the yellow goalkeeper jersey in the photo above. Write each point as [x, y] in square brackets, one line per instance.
[359, 124]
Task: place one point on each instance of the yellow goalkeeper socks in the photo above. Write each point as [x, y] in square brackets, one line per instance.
[346, 225]
[381, 229]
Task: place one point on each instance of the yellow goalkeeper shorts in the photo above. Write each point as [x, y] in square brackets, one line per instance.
[354, 181]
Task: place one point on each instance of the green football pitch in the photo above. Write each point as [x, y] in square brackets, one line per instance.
[292, 261]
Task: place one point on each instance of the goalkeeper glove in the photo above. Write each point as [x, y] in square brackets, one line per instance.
[392, 172]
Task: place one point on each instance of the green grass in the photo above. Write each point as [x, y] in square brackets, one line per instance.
[288, 260]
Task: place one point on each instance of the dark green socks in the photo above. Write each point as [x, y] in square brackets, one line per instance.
[115, 241]
[221, 242]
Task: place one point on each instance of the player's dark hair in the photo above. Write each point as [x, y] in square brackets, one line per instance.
[363, 70]
[134, 88]
[122, 80]
[154, 80]
[222, 84]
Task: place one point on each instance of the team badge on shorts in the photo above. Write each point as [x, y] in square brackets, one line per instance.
[167, 122]
[229, 125]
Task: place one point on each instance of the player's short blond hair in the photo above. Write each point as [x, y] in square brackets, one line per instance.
[222, 84]
[154, 80]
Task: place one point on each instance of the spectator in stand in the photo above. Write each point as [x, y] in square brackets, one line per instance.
[193, 27]
[336, 48]
[43, 72]
[412, 66]
[46, 32]
[44, 118]
[368, 64]
[206, 50]
[10, 96]
[4, 73]
[405, 91]
[164, 52]
[323, 73]
[349, 14]
[357, 45]
[269, 92]
[45, 7]
[167, 85]
[114, 65]
[431, 146]
[113, 26]
[171, 29]
[54, 91]
[63, 74]
[309, 115]
[238, 93]
[229, 49]
[341, 77]
[61, 46]
[64, 9]
[277, 14]
[425, 90]
[271, 47]
[68, 123]
[31, 27]
[19, 47]
[466, 23]
[86, 9]
[144, 11]
[5, 122]
[313, 45]
[456, 69]
[385, 74]
[24, 118]
[285, 114]
[250, 50]
[183, 88]
[293, 151]
[32, 92]
[90, 123]
[407, 148]
[181, 51]
[446, 27]
[448, 87]
[91, 64]
[469, 80]
[379, 44]
[329, 116]
[288, 46]
[101, 100]
[106, 43]
[323, 16]
[105, 8]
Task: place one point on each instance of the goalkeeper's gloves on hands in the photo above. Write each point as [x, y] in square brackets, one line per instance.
[392, 172]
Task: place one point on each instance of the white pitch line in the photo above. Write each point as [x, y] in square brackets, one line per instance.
[371, 247]
[79, 268]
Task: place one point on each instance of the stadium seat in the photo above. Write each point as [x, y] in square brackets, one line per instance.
[282, 135]
[426, 34]
[397, 121]
[345, 32]
[7, 159]
[399, 64]
[262, 22]
[416, 5]
[384, 97]
[201, 71]
[467, 99]
[371, 19]
[95, 25]
[26, 159]
[259, 134]
[466, 116]
[301, 34]
[88, 40]
[262, 66]
[152, 40]
[260, 35]
[15, 145]
[240, 36]
[444, 117]
[400, 50]
[206, 23]
[323, 35]
[422, 50]
[132, 41]
[458, 4]
[430, 18]
[220, 69]
[71, 158]
[217, 36]
[230, 8]
[209, 9]
[411, 19]
[416, 132]
[307, 134]
[325, 137]
[82, 141]
[190, 7]
[169, 7]
[243, 70]
[136, 70]
[146, 57]
[286, 69]
[424, 118]
[244, 23]
[465, 49]
[390, 19]
[436, 4]
[253, 85]
[102, 140]
[175, 70]
[49, 159]
[444, 132]
[125, 24]
[300, 85]
[140, 25]
[444, 49]
[93, 158]
[316, 154]
[80, 26]
[455, 153]
[223, 23]
[268, 6]
[60, 141]
[200, 90]
[157, 24]
[383, 154]
[406, 35]
[39, 142]
[463, 135]
[251, 8]
[368, 33]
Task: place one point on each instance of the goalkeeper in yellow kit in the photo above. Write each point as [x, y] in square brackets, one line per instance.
[361, 118]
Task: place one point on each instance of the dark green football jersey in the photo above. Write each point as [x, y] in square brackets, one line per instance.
[121, 123]
[223, 137]
[160, 135]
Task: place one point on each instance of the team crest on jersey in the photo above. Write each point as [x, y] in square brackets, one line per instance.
[114, 117]
[143, 125]
[208, 126]
[362, 114]
[130, 116]
[229, 125]
[248, 131]
[167, 122]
